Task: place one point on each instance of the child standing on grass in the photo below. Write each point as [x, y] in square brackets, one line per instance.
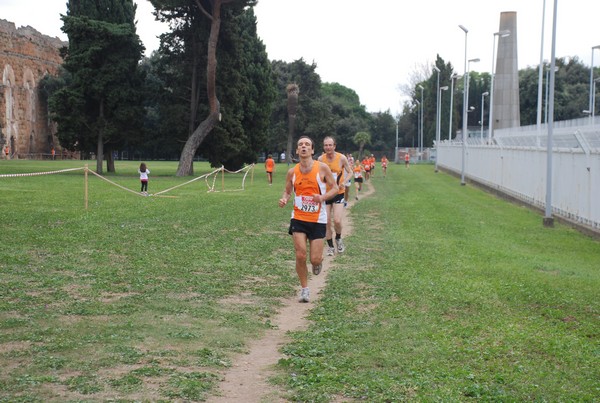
[144, 171]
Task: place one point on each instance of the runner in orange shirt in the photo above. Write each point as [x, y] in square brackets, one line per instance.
[367, 166]
[308, 181]
[338, 163]
[406, 160]
[270, 168]
[384, 164]
[358, 177]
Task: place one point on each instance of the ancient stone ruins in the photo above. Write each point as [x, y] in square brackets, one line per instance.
[26, 56]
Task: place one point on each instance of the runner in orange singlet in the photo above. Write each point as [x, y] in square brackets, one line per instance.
[338, 163]
[384, 164]
[270, 168]
[358, 177]
[308, 181]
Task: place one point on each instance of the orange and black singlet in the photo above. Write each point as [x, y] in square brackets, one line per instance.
[305, 186]
[336, 169]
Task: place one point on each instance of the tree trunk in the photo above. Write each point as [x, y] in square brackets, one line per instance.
[110, 161]
[292, 106]
[288, 149]
[186, 160]
[100, 145]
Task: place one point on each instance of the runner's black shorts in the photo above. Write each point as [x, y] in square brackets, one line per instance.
[313, 230]
[358, 180]
[337, 199]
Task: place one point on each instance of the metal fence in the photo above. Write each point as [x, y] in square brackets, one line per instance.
[516, 164]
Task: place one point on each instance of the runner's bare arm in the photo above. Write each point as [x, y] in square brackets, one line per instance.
[327, 176]
[287, 192]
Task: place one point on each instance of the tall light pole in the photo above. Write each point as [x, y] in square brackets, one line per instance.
[438, 131]
[464, 122]
[548, 220]
[421, 131]
[503, 34]
[437, 108]
[541, 71]
[396, 150]
[454, 76]
[592, 82]
[485, 94]
[418, 121]
[547, 88]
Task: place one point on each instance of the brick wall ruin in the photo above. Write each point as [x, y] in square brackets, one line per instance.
[26, 56]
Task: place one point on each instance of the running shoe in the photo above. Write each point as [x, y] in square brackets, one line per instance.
[304, 295]
[330, 251]
[317, 269]
[340, 245]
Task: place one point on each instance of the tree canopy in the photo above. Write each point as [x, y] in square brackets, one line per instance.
[100, 105]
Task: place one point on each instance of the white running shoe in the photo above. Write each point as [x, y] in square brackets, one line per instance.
[330, 251]
[340, 245]
[304, 295]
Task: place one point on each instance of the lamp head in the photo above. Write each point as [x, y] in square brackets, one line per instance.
[444, 88]
[463, 28]
[485, 94]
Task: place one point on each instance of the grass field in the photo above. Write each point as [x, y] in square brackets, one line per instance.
[445, 293]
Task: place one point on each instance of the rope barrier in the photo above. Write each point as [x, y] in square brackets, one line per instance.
[39, 173]
[211, 188]
[223, 169]
[188, 182]
[113, 183]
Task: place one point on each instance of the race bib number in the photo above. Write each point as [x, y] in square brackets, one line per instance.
[307, 204]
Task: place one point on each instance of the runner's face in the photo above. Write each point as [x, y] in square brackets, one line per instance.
[328, 146]
[304, 147]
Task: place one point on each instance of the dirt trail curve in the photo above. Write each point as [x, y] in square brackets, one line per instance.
[247, 379]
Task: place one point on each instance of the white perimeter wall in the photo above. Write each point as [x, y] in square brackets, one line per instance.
[521, 173]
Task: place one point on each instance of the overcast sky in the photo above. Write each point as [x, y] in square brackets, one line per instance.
[374, 47]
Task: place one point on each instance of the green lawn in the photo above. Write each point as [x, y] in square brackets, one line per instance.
[445, 293]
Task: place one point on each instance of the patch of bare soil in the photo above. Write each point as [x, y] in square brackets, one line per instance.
[247, 379]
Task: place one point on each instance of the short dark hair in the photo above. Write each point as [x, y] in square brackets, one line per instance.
[312, 143]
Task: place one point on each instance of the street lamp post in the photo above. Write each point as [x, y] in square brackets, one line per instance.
[438, 133]
[485, 94]
[592, 82]
[503, 34]
[548, 220]
[464, 123]
[467, 110]
[396, 150]
[451, 106]
[421, 130]
[437, 108]
[418, 121]
[547, 88]
[594, 99]
[541, 72]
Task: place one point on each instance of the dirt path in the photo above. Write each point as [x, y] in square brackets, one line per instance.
[247, 379]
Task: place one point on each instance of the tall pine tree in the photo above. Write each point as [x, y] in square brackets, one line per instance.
[100, 108]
